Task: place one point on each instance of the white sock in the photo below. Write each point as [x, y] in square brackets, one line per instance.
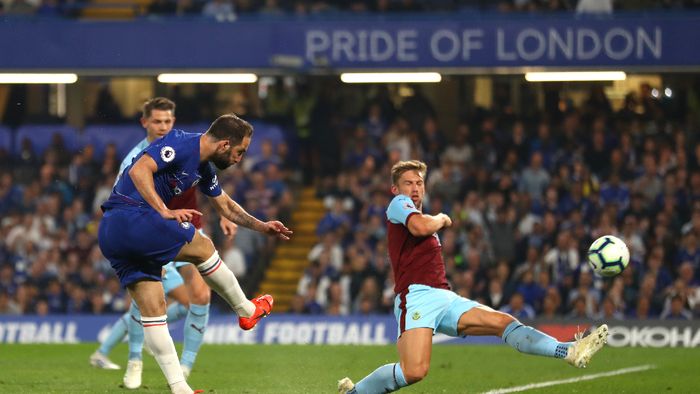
[158, 339]
[224, 282]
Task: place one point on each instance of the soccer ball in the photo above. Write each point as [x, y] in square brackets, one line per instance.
[608, 256]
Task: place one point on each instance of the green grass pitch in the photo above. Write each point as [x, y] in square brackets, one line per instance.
[315, 369]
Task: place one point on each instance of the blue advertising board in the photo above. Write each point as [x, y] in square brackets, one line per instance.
[353, 43]
[285, 329]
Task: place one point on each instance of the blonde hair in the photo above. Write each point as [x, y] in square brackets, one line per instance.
[410, 165]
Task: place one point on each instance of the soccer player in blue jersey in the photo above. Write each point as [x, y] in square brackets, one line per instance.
[192, 294]
[139, 233]
[425, 305]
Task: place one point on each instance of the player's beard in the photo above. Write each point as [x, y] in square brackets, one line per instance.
[220, 160]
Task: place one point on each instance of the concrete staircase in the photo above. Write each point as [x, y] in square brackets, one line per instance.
[291, 258]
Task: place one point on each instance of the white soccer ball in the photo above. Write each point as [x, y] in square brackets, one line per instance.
[608, 256]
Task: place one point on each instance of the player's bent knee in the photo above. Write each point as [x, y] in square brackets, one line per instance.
[197, 251]
[501, 321]
[152, 307]
[201, 296]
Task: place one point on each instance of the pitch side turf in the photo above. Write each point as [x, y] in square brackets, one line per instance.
[315, 369]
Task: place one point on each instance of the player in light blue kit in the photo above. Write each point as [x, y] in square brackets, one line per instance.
[139, 233]
[192, 300]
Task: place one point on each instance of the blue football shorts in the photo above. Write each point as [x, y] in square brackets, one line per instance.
[138, 242]
[429, 307]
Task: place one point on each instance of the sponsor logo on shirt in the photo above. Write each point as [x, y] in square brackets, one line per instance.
[185, 225]
[167, 154]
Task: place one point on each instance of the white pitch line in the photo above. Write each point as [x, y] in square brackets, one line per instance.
[572, 380]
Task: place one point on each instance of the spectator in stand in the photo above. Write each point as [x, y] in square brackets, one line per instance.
[534, 179]
[518, 308]
[676, 309]
[220, 10]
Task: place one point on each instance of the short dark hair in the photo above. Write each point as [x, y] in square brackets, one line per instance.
[230, 127]
[159, 103]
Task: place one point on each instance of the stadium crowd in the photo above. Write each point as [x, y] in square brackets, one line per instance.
[230, 10]
[527, 198]
[527, 195]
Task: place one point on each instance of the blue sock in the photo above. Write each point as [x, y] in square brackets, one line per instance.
[116, 335]
[529, 340]
[195, 324]
[135, 332]
[384, 379]
[176, 311]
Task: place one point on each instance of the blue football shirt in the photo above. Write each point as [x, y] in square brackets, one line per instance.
[179, 169]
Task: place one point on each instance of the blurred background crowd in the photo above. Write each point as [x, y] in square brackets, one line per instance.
[527, 199]
[527, 195]
[230, 10]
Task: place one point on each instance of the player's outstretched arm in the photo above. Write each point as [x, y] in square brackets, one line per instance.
[422, 225]
[231, 210]
[141, 174]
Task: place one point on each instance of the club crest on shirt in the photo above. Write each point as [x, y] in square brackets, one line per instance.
[415, 316]
[167, 154]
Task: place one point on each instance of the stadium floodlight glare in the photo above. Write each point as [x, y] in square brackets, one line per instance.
[573, 76]
[423, 77]
[208, 78]
[37, 78]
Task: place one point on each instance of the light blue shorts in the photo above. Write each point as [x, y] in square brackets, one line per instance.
[429, 307]
[171, 278]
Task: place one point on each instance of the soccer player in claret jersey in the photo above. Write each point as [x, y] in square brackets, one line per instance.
[191, 293]
[139, 233]
[424, 303]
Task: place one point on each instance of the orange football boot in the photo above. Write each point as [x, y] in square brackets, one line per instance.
[263, 307]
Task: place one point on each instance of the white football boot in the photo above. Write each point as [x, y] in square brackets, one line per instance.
[132, 377]
[584, 348]
[99, 360]
[345, 385]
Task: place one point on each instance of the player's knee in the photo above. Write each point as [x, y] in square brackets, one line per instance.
[201, 295]
[152, 307]
[200, 249]
[416, 373]
[502, 321]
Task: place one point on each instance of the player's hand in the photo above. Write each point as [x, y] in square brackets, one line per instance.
[228, 227]
[278, 229]
[181, 215]
[447, 222]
